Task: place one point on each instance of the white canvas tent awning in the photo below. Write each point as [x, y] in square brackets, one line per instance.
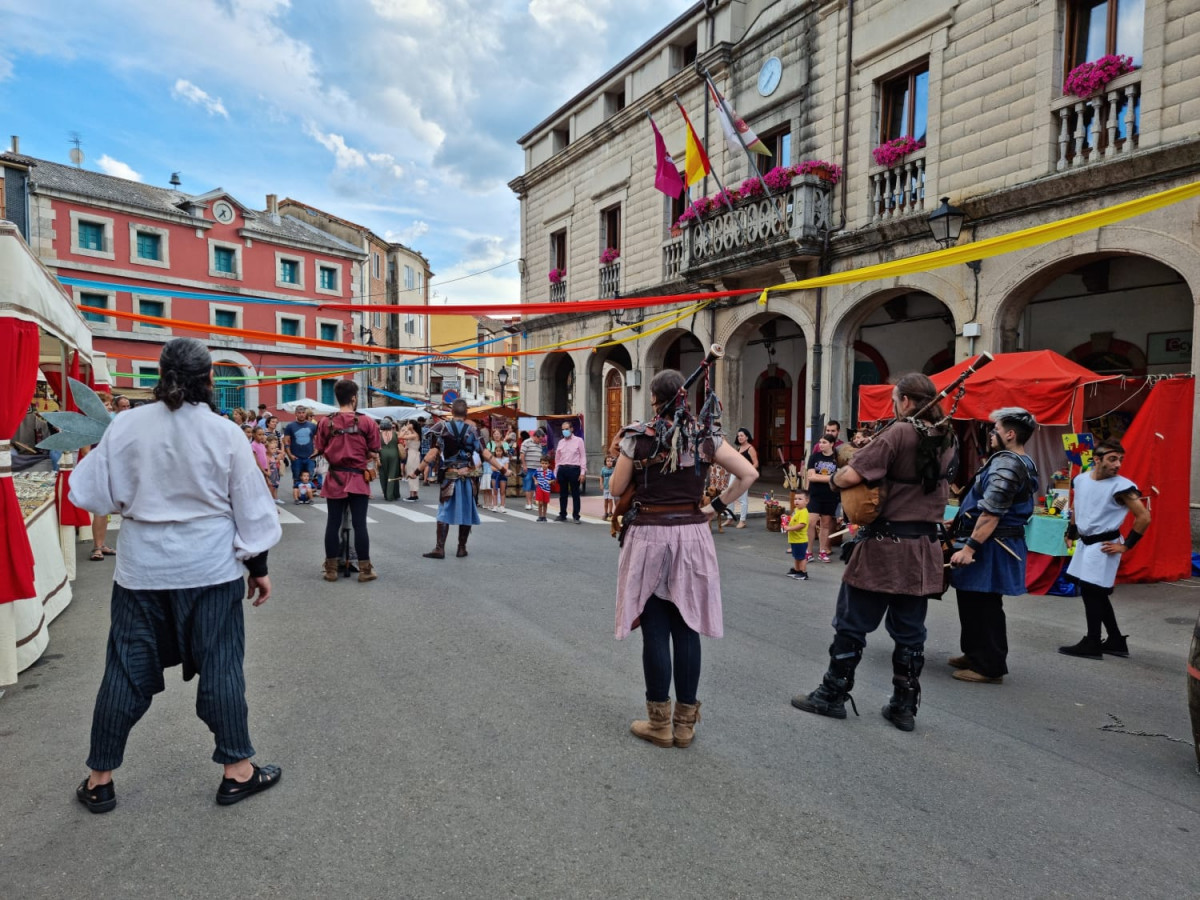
[397, 413]
[29, 291]
[314, 406]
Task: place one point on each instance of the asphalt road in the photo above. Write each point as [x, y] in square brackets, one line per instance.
[460, 728]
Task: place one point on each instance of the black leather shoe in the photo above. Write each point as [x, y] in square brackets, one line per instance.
[1116, 645]
[232, 791]
[1088, 648]
[99, 799]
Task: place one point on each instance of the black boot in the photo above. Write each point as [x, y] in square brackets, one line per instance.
[1116, 644]
[1089, 648]
[829, 699]
[464, 532]
[901, 709]
[439, 552]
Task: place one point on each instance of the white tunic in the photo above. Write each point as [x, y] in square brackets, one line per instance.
[1097, 510]
[194, 502]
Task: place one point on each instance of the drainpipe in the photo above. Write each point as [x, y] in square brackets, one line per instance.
[825, 264]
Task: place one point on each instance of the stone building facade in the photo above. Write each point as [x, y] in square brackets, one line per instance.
[978, 87]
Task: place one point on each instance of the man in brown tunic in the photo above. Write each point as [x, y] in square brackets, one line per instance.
[897, 565]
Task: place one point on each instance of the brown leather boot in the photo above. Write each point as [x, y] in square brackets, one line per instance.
[464, 532]
[687, 715]
[331, 569]
[439, 551]
[656, 730]
[366, 571]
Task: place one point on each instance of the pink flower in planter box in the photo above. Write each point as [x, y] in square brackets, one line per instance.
[751, 187]
[779, 178]
[610, 255]
[827, 171]
[890, 153]
[1090, 77]
[557, 275]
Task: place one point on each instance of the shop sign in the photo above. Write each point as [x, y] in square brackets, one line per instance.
[1168, 347]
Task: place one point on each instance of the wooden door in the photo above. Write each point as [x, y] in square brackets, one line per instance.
[614, 396]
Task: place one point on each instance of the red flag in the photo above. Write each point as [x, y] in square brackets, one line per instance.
[666, 177]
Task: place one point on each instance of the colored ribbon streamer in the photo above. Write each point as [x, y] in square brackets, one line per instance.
[996, 246]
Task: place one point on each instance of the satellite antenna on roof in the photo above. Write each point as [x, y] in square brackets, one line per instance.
[77, 151]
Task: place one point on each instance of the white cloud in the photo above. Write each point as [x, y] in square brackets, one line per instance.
[6, 68]
[408, 236]
[557, 13]
[345, 157]
[110, 166]
[185, 90]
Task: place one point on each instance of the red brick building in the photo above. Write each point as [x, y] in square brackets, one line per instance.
[206, 259]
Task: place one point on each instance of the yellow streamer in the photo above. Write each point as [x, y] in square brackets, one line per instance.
[674, 314]
[662, 327]
[995, 246]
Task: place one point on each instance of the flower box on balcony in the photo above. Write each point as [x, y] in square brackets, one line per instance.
[557, 275]
[1091, 77]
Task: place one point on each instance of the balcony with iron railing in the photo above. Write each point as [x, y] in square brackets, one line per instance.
[757, 231]
[558, 291]
[898, 190]
[1103, 126]
[610, 279]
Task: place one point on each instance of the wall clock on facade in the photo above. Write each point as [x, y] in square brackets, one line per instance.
[223, 212]
[769, 75]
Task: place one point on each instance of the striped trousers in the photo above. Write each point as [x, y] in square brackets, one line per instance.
[201, 629]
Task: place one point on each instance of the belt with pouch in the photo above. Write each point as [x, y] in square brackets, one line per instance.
[666, 514]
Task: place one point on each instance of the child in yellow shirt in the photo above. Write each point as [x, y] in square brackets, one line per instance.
[797, 532]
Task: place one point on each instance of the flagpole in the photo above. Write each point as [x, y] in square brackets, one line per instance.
[741, 140]
[717, 178]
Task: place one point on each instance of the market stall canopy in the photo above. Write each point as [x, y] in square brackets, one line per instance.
[507, 412]
[1042, 381]
[314, 406]
[398, 413]
[29, 291]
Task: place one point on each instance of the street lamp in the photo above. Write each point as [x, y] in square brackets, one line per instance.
[946, 223]
[367, 337]
[502, 377]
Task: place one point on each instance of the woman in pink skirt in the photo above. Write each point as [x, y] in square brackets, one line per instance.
[667, 581]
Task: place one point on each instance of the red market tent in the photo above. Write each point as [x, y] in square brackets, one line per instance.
[1062, 393]
[1040, 380]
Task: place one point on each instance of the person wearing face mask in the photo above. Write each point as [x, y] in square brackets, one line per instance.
[570, 468]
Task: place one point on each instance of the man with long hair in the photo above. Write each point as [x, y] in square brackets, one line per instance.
[897, 564]
[195, 511]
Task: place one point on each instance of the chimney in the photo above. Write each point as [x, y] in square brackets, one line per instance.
[273, 208]
[16, 143]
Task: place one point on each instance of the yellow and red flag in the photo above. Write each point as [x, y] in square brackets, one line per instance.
[696, 164]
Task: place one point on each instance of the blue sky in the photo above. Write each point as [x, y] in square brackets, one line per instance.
[402, 115]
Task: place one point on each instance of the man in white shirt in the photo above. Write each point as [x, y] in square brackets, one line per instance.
[1103, 498]
[195, 510]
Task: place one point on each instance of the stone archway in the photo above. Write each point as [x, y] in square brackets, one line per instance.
[765, 384]
[1114, 313]
[600, 405]
[557, 384]
[891, 331]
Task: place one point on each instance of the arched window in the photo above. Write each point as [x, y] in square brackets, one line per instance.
[230, 394]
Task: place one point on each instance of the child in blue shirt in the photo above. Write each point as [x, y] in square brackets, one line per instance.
[605, 474]
[543, 479]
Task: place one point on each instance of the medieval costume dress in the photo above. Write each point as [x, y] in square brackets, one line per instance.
[457, 442]
[668, 582]
[389, 463]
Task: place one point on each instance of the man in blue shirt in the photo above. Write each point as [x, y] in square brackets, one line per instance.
[298, 444]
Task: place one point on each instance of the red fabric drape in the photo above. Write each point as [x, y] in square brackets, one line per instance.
[18, 379]
[68, 512]
[71, 407]
[55, 380]
[1158, 451]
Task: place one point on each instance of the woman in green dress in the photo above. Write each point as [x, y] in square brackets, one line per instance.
[389, 460]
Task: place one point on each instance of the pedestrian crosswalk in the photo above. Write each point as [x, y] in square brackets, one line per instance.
[420, 513]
